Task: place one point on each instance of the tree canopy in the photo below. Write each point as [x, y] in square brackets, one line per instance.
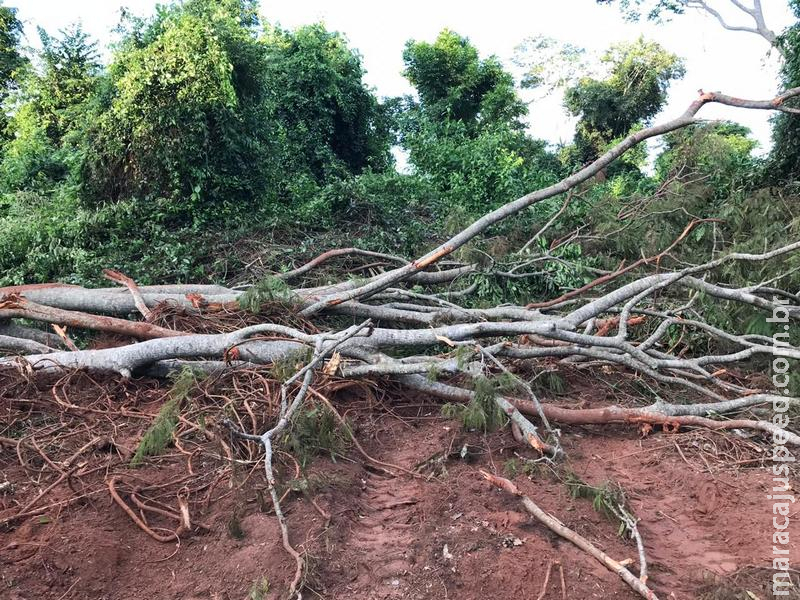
[207, 119]
[635, 90]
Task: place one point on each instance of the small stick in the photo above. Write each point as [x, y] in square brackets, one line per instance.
[41, 494]
[581, 542]
[72, 587]
[325, 514]
[563, 583]
[546, 581]
[62, 333]
[138, 299]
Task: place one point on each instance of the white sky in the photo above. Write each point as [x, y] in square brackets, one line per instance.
[716, 60]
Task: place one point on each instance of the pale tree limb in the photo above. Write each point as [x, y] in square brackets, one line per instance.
[581, 542]
[15, 306]
[16, 345]
[45, 338]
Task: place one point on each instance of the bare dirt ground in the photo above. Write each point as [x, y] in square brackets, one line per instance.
[701, 499]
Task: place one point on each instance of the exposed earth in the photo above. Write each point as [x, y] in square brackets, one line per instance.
[701, 499]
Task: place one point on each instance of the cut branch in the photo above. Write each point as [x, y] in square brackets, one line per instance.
[581, 542]
[457, 241]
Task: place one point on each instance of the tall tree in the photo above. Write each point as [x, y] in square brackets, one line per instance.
[49, 109]
[785, 157]
[455, 84]
[181, 118]
[632, 94]
[215, 112]
[465, 133]
[70, 69]
[11, 58]
[330, 122]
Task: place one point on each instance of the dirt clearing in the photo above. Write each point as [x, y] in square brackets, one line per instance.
[701, 500]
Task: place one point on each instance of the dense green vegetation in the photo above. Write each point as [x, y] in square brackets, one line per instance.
[786, 158]
[208, 126]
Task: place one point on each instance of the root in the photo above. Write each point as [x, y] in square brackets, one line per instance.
[112, 482]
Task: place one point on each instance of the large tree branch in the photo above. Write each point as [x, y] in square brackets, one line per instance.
[479, 226]
[756, 14]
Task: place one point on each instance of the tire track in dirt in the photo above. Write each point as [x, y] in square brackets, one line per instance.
[384, 530]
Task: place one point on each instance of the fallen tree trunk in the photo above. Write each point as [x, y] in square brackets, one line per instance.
[15, 306]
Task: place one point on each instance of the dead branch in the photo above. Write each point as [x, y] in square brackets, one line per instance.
[581, 542]
[129, 283]
[19, 307]
[17, 345]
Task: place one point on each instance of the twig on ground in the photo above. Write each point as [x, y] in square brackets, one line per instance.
[581, 542]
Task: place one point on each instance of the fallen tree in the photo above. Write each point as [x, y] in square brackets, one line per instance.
[448, 350]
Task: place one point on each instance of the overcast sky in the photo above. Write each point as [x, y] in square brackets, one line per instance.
[716, 60]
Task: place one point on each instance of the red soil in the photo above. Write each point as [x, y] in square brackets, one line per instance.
[707, 534]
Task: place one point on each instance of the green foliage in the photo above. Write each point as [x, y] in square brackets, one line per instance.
[465, 135]
[454, 84]
[50, 108]
[68, 80]
[478, 172]
[720, 153]
[183, 111]
[159, 435]
[633, 93]
[608, 499]
[216, 119]
[208, 125]
[31, 161]
[514, 466]
[511, 468]
[12, 61]
[204, 124]
[57, 238]
[329, 122]
[482, 411]
[784, 164]
[703, 172]
[267, 290]
[550, 382]
[315, 430]
[396, 212]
